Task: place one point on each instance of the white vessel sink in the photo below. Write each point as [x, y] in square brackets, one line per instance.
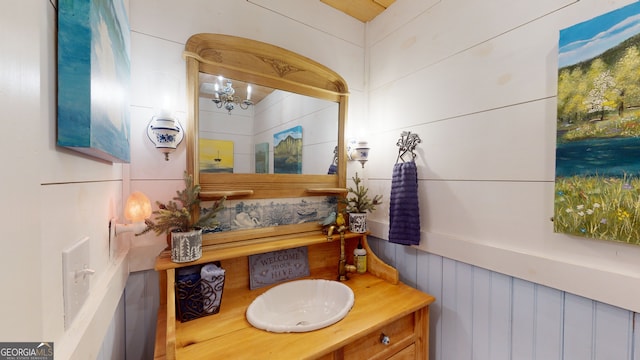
[300, 306]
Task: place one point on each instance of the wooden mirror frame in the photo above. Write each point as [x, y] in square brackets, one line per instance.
[271, 66]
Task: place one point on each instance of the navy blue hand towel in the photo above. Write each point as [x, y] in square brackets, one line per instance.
[404, 213]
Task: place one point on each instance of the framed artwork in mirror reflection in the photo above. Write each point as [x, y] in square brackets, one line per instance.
[287, 151]
[262, 158]
[216, 156]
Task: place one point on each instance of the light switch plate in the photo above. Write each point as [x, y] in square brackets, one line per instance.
[76, 282]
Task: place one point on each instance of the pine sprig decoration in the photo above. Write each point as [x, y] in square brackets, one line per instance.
[208, 215]
[360, 201]
[176, 214]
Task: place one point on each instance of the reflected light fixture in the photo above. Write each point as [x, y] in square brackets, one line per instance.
[136, 210]
[225, 96]
[165, 132]
[358, 151]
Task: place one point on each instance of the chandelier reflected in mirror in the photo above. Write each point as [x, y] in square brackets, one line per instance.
[224, 96]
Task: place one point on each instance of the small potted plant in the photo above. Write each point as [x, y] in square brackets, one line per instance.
[176, 218]
[358, 203]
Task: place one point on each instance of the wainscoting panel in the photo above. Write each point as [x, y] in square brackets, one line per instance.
[491, 315]
[613, 328]
[457, 309]
[484, 315]
[142, 299]
[636, 336]
[429, 275]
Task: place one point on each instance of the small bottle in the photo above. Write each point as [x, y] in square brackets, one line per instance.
[360, 258]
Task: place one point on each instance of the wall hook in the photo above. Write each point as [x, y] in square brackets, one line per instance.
[406, 144]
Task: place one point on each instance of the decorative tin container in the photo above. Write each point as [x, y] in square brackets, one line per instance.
[186, 246]
[358, 222]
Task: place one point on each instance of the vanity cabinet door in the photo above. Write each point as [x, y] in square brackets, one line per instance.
[408, 353]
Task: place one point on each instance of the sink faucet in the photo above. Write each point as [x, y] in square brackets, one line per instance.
[330, 231]
[342, 262]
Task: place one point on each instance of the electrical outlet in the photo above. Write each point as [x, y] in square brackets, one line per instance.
[76, 274]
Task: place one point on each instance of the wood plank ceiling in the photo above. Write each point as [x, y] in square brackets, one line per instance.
[363, 10]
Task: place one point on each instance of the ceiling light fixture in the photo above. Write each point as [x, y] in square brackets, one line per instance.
[224, 96]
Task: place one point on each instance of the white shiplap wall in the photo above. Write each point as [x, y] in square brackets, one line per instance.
[159, 30]
[477, 82]
[156, 50]
[53, 198]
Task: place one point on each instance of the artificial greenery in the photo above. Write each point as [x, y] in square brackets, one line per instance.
[360, 202]
[176, 215]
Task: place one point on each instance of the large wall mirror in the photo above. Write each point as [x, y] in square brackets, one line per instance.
[258, 135]
[238, 153]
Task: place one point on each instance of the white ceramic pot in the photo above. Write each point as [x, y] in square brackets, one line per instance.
[186, 246]
[358, 222]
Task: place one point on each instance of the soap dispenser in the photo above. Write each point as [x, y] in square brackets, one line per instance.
[360, 258]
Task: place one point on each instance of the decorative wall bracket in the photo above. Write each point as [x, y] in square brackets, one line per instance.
[166, 133]
[406, 145]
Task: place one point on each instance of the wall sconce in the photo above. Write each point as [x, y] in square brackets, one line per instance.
[136, 210]
[165, 132]
[358, 151]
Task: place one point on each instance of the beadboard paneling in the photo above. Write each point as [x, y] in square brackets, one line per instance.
[484, 315]
[142, 302]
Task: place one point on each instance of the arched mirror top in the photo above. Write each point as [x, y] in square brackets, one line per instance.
[249, 61]
[264, 64]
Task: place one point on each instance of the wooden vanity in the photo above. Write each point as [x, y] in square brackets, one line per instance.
[383, 307]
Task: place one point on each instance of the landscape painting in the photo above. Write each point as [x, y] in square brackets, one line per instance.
[216, 156]
[597, 188]
[262, 158]
[287, 151]
[93, 78]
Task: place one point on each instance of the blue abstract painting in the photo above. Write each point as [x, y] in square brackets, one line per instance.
[93, 78]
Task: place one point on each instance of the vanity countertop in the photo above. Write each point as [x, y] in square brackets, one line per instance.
[228, 335]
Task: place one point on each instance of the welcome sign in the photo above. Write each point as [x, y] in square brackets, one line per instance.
[276, 266]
